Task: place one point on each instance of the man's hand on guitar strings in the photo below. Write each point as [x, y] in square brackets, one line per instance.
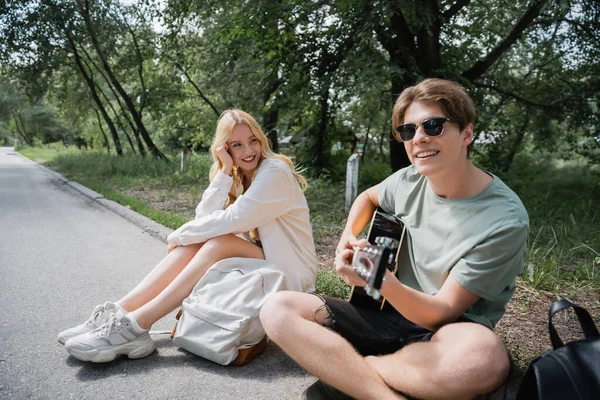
[343, 266]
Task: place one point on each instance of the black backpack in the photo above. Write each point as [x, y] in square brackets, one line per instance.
[569, 371]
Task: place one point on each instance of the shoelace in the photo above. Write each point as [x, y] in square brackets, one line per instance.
[95, 315]
[107, 328]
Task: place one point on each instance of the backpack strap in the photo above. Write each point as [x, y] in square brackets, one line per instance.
[585, 320]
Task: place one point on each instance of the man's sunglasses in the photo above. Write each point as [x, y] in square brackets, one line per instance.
[431, 126]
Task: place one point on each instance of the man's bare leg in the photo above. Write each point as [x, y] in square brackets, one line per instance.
[181, 286]
[289, 320]
[461, 361]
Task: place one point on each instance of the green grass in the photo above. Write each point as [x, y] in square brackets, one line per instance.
[165, 218]
[564, 241]
[326, 202]
[330, 284]
[41, 155]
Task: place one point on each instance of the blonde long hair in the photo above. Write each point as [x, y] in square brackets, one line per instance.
[227, 121]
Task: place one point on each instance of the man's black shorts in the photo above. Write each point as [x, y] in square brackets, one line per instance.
[371, 332]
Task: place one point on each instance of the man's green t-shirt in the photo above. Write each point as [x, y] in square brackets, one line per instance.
[479, 241]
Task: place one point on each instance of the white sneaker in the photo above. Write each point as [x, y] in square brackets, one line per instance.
[99, 317]
[110, 340]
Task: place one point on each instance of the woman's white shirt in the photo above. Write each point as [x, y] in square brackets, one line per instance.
[276, 206]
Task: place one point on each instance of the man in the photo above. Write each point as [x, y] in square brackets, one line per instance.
[466, 240]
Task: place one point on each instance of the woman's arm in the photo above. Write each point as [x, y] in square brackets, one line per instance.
[268, 197]
[215, 196]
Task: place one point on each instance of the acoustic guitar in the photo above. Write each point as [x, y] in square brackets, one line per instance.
[385, 237]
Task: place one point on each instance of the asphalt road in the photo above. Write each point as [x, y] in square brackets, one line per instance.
[62, 253]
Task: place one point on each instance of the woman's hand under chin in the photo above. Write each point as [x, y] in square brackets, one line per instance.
[225, 158]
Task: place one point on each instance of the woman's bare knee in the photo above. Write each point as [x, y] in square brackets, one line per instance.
[218, 241]
[189, 250]
[226, 246]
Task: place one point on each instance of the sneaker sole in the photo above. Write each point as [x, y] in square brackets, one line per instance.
[107, 355]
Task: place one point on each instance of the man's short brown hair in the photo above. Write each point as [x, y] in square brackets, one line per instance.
[455, 102]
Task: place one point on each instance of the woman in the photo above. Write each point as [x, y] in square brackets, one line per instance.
[254, 208]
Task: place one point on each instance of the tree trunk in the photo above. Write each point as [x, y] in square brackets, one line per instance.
[362, 156]
[428, 55]
[23, 133]
[271, 113]
[321, 133]
[84, 12]
[270, 118]
[516, 145]
[116, 117]
[136, 134]
[384, 136]
[354, 143]
[139, 142]
[91, 85]
[140, 69]
[400, 43]
[398, 157]
[106, 144]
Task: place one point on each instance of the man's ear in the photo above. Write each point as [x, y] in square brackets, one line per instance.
[468, 135]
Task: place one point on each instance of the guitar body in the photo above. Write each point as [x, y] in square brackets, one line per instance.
[385, 225]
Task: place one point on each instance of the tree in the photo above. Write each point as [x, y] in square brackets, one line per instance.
[84, 10]
[45, 35]
[325, 71]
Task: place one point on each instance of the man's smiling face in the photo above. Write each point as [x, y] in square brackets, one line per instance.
[432, 155]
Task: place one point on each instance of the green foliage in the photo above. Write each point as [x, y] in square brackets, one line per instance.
[27, 121]
[372, 172]
[326, 72]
